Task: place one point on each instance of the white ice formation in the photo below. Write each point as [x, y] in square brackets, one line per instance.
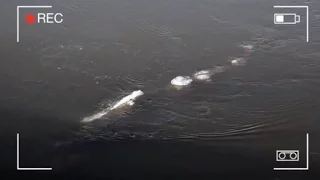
[247, 46]
[205, 75]
[202, 75]
[126, 101]
[238, 62]
[181, 81]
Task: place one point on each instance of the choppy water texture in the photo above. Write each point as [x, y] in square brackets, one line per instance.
[249, 79]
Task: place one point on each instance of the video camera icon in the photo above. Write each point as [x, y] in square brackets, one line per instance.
[293, 156]
[287, 155]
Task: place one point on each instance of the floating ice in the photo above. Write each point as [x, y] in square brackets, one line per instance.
[238, 62]
[247, 47]
[95, 116]
[181, 81]
[234, 62]
[206, 74]
[128, 100]
[202, 75]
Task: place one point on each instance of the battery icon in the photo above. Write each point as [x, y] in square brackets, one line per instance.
[286, 18]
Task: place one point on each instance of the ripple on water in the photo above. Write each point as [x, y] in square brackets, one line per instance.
[258, 114]
[168, 116]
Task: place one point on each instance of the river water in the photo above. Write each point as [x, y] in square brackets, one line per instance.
[231, 125]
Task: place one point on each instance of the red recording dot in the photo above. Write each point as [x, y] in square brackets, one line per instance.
[30, 18]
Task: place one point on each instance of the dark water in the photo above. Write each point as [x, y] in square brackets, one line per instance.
[231, 126]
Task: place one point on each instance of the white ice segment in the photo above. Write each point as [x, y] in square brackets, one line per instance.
[247, 46]
[131, 103]
[206, 74]
[234, 62]
[202, 75]
[94, 117]
[181, 81]
[128, 100]
[238, 62]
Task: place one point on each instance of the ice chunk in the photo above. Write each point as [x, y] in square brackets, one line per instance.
[181, 81]
[238, 62]
[128, 100]
[202, 75]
